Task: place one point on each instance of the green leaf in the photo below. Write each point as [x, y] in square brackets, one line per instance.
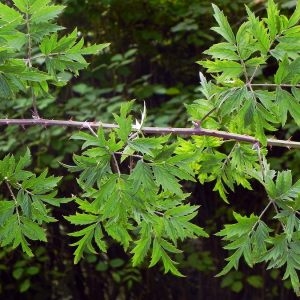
[260, 32]
[21, 5]
[41, 14]
[223, 51]
[124, 121]
[156, 253]
[246, 43]
[224, 28]
[83, 243]
[142, 245]
[81, 219]
[166, 179]
[295, 17]
[94, 49]
[10, 15]
[229, 69]
[142, 176]
[282, 71]
[24, 161]
[98, 236]
[32, 230]
[5, 90]
[148, 144]
[272, 19]
[6, 210]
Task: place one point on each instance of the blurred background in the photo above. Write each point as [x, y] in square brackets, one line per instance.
[154, 47]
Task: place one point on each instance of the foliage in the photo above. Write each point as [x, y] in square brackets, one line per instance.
[133, 185]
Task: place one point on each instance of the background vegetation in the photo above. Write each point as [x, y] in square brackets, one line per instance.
[154, 47]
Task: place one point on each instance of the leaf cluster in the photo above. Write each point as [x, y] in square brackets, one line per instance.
[241, 102]
[24, 206]
[145, 209]
[31, 53]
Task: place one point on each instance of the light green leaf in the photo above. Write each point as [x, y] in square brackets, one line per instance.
[223, 51]
[295, 17]
[224, 28]
[10, 15]
[273, 19]
[260, 32]
[94, 49]
[167, 180]
[282, 71]
[142, 176]
[81, 219]
[229, 69]
[98, 236]
[41, 14]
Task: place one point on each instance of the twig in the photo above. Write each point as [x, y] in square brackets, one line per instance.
[154, 130]
[206, 116]
[116, 164]
[261, 162]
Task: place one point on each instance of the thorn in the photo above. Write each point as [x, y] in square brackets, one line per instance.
[256, 146]
[289, 140]
[196, 124]
[35, 115]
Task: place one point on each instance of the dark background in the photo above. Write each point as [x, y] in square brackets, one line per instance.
[154, 47]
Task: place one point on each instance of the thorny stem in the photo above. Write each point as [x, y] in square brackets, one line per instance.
[15, 200]
[153, 130]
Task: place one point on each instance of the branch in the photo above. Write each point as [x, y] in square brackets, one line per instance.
[155, 130]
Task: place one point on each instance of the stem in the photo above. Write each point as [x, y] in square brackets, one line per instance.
[131, 155]
[35, 114]
[154, 130]
[206, 116]
[29, 50]
[91, 130]
[261, 162]
[261, 215]
[228, 156]
[277, 212]
[113, 155]
[116, 164]
[29, 63]
[15, 200]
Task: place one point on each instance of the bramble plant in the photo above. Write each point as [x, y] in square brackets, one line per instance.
[131, 181]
